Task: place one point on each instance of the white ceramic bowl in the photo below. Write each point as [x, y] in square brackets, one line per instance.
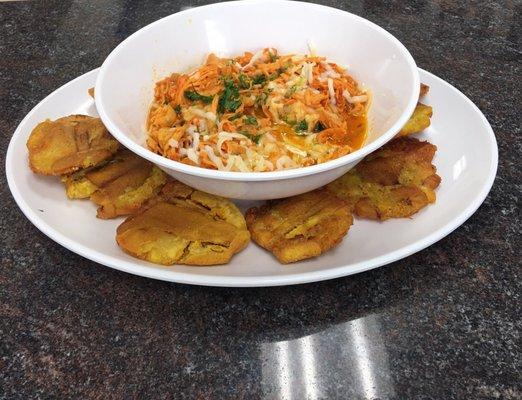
[179, 42]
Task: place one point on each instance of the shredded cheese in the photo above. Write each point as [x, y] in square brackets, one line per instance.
[240, 164]
[331, 91]
[255, 58]
[192, 131]
[311, 47]
[224, 136]
[215, 159]
[308, 72]
[284, 162]
[295, 150]
[354, 99]
[203, 114]
[192, 155]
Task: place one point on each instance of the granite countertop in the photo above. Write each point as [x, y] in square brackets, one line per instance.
[440, 324]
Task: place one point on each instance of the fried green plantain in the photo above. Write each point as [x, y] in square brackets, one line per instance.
[420, 120]
[218, 207]
[396, 181]
[184, 226]
[77, 186]
[424, 90]
[421, 117]
[300, 227]
[120, 186]
[125, 185]
[69, 144]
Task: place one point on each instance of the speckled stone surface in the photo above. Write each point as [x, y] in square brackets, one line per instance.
[441, 324]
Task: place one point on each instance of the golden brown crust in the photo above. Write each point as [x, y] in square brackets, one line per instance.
[300, 227]
[176, 192]
[119, 187]
[184, 226]
[419, 120]
[69, 144]
[396, 181]
[424, 89]
[421, 117]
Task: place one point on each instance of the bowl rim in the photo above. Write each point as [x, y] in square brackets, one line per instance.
[177, 166]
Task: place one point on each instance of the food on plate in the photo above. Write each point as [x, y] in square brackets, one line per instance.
[69, 144]
[421, 117]
[171, 223]
[424, 89]
[419, 120]
[300, 227]
[124, 185]
[218, 207]
[119, 187]
[184, 226]
[77, 186]
[393, 182]
[258, 112]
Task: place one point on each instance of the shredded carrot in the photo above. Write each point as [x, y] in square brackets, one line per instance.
[205, 161]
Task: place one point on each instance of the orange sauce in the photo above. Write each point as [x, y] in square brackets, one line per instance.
[357, 131]
[357, 128]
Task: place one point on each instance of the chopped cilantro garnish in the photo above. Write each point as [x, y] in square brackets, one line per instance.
[177, 109]
[301, 126]
[259, 79]
[229, 99]
[276, 74]
[273, 56]
[192, 95]
[244, 81]
[235, 116]
[256, 139]
[250, 120]
[319, 127]
[253, 138]
[261, 99]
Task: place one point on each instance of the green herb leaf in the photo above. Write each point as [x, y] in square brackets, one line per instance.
[253, 138]
[229, 100]
[259, 79]
[301, 126]
[235, 116]
[192, 95]
[261, 99]
[319, 127]
[244, 81]
[250, 120]
[256, 139]
[178, 109]
[273, 56]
